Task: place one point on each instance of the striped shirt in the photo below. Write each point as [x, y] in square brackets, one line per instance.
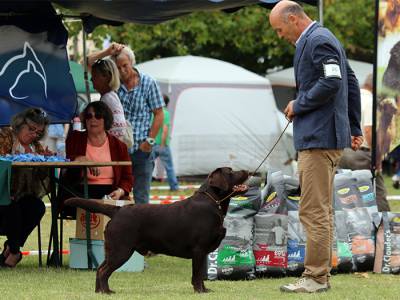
[139, 104]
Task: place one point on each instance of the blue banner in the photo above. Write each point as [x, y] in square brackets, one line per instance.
[34, 71]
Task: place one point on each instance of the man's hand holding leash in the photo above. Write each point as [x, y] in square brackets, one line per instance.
[289, 113]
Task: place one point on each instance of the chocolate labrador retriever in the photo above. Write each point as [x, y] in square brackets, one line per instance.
[190, 228]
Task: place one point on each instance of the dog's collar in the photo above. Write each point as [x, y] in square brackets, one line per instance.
[218, 201]
[221, 213]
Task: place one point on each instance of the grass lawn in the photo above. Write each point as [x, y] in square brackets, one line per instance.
[168, 278]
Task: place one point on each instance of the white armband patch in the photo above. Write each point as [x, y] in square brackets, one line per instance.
[119, 203]
[332, 70]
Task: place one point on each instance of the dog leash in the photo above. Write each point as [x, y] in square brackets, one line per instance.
[270, 151]
[218, 202]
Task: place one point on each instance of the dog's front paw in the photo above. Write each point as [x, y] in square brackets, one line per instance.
[104, 291]
[202, 290]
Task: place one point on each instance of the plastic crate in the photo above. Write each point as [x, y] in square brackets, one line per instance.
[78, 256]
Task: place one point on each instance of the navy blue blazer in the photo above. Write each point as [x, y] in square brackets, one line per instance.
[327, 108]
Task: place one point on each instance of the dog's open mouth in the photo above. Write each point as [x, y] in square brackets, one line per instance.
[240, 188]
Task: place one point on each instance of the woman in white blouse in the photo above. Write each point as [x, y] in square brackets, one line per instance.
[105, 78]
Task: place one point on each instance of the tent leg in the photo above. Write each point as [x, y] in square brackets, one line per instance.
[85, 64]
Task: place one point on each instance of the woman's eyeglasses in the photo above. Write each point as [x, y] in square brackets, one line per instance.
[88, 116]
[33, 129]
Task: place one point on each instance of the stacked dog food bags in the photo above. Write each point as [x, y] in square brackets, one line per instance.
[234, 257]
[265, 236]
[279, 243]
[387, 257]
[271, 226]
[354, 204]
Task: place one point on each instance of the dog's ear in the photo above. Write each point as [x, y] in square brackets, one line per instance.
[217, 179]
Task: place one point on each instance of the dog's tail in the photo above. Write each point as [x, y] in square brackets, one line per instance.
[93, 206]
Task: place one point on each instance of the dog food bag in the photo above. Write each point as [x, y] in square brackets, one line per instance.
[273, 196]
[346, 193]
[361, 236]
[230, 262]
[349, 190]
[274, 204]
[234, 258]
[270, 244]
[270, 238]
[369, 210]
[296, 243]
[344, 257]
[344, 196]
[250, 201]
[282, 185]
[282, 198]
[296, 238]
[387, 257]
[354, 196]
[235, 261]
[240, 225]
[366, 190]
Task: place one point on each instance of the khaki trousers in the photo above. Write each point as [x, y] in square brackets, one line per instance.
[317, 170]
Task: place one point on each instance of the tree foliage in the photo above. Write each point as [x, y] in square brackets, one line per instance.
[353, 22]
[245, 37]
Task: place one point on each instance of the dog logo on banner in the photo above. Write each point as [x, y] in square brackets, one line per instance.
[24, 68]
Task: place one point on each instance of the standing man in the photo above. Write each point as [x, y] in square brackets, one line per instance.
[140, 97]
[162, 150]
[326, 119]
[361, 159]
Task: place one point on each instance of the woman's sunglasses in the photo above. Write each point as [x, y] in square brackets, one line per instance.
[88, 116]
[99, 62]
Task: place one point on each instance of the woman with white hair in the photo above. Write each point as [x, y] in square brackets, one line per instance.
[105, 78]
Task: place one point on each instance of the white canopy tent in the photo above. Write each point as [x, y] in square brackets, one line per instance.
[222, 115]
[286, 77]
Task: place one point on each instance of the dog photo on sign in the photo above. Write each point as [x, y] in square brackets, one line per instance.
[391, 76]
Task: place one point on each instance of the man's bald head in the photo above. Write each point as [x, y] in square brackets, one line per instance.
[289, 20]
[285, 8]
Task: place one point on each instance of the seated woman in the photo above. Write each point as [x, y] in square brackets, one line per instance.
[27, 186]
[96, 144]
[105, 78]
